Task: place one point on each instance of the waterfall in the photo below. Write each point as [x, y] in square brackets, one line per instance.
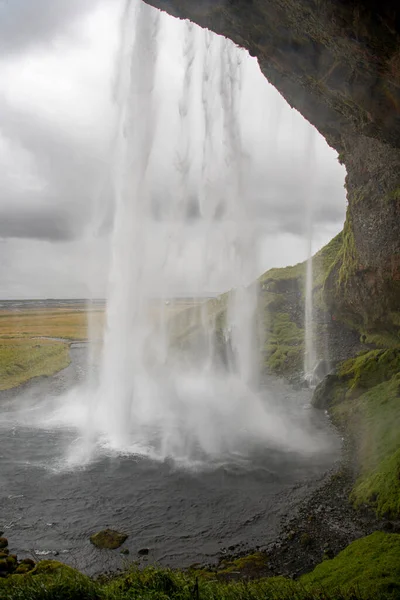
[309, 343]
[151, 398]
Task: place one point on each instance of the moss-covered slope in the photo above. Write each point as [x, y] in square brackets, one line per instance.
[363, 397]
[282, 310]
[367, 569]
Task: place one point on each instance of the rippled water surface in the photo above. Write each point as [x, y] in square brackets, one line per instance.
[182, 514]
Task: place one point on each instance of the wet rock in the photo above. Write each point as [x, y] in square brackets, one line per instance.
[323, 393]
[3, 554]
[3, 566]
[124, 551]
[305, 540]
[3, 542]
[12, 562]
[23, 569]
[143, 552]
[28, 561]
[108, 539]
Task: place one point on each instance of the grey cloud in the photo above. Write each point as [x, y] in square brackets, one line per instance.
[278, 195]
[27, 22]
[37, 224]
[74, 174]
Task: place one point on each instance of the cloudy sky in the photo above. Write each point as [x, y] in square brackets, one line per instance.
[57, 126]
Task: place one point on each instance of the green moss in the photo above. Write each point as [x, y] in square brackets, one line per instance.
[49, 580]
[370, 368]
[369, 566]
[364, 399]
[108, 539]
[251, 564]
[284, 347]
[291, 272]
[347, 254]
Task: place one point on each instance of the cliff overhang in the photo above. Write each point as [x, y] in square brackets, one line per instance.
[337, 63]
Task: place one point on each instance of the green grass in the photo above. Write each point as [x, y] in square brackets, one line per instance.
[21, 360]
[365, 401]
[368, 569]
[284, 347]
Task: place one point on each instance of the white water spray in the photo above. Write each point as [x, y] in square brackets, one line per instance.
[151, 398]
[309, 353]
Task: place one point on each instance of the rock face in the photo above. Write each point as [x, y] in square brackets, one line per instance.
[338, 63]
[108, 539]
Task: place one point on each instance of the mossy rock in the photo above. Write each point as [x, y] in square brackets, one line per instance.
[3, 542]
[23, 569]
[108, 539]
[28, 561]
[325, 391]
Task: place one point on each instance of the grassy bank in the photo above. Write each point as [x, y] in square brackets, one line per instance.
[24, 351]
[368, 569]
[363, 398]
[23, 359]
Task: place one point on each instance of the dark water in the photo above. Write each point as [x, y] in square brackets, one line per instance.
[183, 516]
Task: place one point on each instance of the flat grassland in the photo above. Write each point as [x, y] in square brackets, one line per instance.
[34, 341]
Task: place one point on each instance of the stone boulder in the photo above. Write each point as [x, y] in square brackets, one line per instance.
[108, 539]
[323, 395]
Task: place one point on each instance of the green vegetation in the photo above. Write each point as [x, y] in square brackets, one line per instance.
[20, 360]
[364, 400]
[282, 301]
[284, 348]
[323, 262]
[367, 569]
[370, 567]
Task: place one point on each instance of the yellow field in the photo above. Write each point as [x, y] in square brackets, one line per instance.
[26, 353]
[67, 323]
[22, 359]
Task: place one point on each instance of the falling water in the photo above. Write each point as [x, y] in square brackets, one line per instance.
[151, 397]
[309, 353]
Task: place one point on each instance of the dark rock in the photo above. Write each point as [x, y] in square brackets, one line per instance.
[28, 561]
[3, 566]
[143, 552]
[124, 551]
[108, 539]
[3, 542]
[323, 393]
[3, 555]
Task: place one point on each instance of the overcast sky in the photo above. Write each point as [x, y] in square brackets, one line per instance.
[57, 70]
